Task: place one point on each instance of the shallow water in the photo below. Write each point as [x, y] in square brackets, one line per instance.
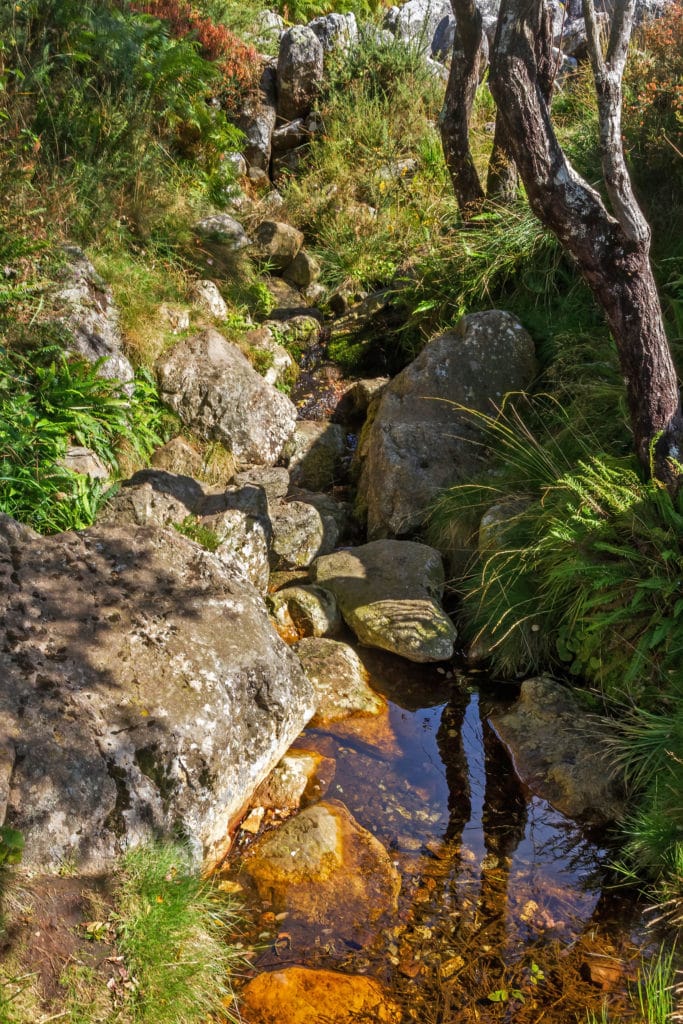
[502, 913]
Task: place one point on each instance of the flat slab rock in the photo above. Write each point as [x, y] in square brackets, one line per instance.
[389, 594]
[559, 752]
[296, 994]
[142, 691]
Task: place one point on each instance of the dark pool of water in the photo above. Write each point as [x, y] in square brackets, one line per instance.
[500, 892]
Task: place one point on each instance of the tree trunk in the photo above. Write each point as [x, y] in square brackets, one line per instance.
[454, 120]
[612, 252]
[501, 183]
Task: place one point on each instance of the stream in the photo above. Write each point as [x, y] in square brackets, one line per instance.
[503, 911]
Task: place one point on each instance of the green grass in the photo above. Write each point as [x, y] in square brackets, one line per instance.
[172, 930]
[653, 997]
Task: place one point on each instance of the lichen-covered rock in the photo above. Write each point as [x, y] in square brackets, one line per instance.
[289, 996]
[233, 521]
[299, 72]
[85, 305]
[214, 390]
[335, 31]
[272, 360]
[143, 693]
[303, 271]
[298, 535]
[207, 298]
[560, 752]
[417, 20]
[421, 440]
[273, 480]
[389, 594]
[305, 610]
[346, 704]
[222, 234]
[178, 456]
[322, 867]
[86, 462]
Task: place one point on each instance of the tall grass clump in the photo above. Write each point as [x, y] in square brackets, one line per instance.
[583, 574]
[172, 930]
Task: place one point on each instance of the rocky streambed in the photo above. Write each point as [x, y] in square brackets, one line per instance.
[397, 868]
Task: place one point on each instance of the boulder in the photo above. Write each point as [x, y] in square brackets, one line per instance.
[206, 297]
[299, 72]
[257, 121]
[560, 752]
[303, 271]
[417, 21]
[322, 867]
[267, 29]
[305, 610]
[421, 440]
[301, 778]
[273, 480]
[389, 595]
[222, 234]
[335, 31]
[86, 462]
[442, 40]
[352, 408]
[176, 317]
[288, 300]
[288, 996]
[290, 136]
[278, 243]
[333, 514]
[178, 456]
[315, 452]
[85, 306]
[215, 391]
[233, 522]
[298, 535]
[143, 693]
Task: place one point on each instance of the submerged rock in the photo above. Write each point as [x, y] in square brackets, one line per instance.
[299, 995]
[389, 594]
[143, 693]
[559, 752]
[301, 778]
[321, 866]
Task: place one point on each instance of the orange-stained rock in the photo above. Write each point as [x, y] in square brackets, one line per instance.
[298, 995]
[346, 704]
[301, 777]
[323, 868]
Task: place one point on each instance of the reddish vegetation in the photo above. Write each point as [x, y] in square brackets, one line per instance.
[238, 62]
[655, 83]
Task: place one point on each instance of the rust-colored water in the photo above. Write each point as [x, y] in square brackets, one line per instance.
[503, 912]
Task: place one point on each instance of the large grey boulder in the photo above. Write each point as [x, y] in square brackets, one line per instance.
[257, 120]
[299, 72]
[389, 594]
[560, 752]
[84, 304]
[315, 452]
[420, 440]
[214, 390]
[143, 693]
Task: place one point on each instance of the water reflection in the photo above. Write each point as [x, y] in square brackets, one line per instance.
[492, 876]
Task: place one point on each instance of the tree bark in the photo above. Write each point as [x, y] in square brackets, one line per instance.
[611, 252]
[454, 120]
[501, 182]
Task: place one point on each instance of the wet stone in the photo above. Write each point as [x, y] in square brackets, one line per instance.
[298, 995]
[322, 867]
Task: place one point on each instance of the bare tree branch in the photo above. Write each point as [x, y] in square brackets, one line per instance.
[608, 74]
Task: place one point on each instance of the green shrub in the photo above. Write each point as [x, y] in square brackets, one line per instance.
[48, 402]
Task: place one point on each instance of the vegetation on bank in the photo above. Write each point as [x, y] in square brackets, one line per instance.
[108, 140]
[159, 950]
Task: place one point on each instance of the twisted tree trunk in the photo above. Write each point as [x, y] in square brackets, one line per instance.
[611, 249]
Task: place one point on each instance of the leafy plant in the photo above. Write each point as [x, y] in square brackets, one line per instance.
[11, 846]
